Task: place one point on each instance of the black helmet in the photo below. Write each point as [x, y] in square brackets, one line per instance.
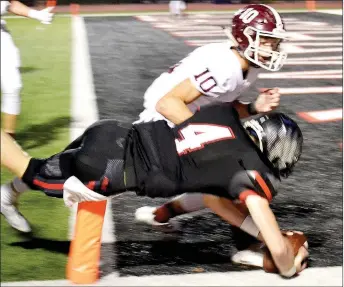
[280, 139]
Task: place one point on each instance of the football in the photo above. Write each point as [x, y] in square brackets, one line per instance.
[296, 239]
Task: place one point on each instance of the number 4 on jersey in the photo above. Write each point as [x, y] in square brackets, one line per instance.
[195, 136]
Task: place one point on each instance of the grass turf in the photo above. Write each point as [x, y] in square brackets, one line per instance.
[43, 130]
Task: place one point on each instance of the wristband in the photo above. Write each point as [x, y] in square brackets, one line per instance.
[291, 272]
[249, 226]
[251, 109]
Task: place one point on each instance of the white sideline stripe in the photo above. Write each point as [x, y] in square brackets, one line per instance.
[312, 90]
[328, 276]
[84, 108]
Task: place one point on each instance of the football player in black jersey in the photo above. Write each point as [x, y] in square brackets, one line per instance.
[210, 153]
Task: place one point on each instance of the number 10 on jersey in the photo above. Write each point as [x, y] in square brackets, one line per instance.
[195, 136]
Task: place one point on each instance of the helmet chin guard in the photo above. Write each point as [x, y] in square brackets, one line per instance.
[253, 125]
[275, 60]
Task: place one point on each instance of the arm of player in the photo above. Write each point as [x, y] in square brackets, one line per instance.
[280, 248]
[173, 105]
[21, 9]
[256, 190]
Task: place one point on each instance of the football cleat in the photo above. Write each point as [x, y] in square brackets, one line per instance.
[252, 256]
[9, 198]
[146, 216]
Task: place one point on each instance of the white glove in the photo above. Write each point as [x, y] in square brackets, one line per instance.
[44, 16]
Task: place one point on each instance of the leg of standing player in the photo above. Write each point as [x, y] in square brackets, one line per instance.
[11, 83]
[16, 160]
[12, 156]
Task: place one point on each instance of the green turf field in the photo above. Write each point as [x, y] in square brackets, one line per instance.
[43, 130]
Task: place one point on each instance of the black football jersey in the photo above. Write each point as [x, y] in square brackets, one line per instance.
[217, 156]
[209, 153]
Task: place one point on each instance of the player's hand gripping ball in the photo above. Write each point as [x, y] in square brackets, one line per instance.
[297, 240]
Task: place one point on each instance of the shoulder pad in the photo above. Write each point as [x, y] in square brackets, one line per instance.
[265, 184]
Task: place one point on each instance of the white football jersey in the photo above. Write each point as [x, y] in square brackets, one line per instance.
[4, 8]
[213, 69]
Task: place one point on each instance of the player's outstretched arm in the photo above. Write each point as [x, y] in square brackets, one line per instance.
[20, 9]
[280, 248]
[12, 156]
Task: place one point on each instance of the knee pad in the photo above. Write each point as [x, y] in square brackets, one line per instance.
[11, 103]
[191, 202]
[10, 87]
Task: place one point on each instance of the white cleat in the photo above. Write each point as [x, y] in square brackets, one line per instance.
[253, 256]
[9, 199]
[146, 216]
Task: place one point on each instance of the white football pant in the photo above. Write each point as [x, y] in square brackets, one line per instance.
[11, 83]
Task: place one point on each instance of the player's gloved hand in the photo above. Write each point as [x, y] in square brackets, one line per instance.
[267, 101]
[44, 16]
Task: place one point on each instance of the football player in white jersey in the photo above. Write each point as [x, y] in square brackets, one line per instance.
[11, 83]
[216, 72]
[221, 71]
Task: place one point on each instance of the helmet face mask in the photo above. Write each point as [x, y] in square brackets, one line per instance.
[254, 50]
[280, 139]
[250, 26]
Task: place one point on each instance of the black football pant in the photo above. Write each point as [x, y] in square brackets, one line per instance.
[96, 158]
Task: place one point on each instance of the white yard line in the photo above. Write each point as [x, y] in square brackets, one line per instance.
[84, 107]
[329, 276]
[312, 90]
[333, 11]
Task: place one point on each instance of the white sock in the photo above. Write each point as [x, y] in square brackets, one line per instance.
[19, 186]
[191, 202]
